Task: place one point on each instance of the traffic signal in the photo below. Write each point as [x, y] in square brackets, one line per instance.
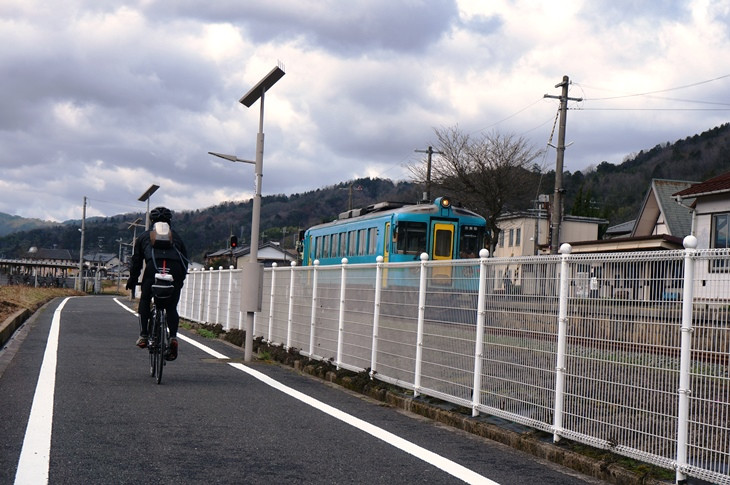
[234, 242]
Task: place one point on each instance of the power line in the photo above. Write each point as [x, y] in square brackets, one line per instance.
[658, 91]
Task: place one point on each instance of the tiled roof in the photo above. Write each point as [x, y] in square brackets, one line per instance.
[715, 185]
[676, 217]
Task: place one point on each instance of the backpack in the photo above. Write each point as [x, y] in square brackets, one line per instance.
[161, 235]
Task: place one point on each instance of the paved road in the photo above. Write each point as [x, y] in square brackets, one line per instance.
[100, 418]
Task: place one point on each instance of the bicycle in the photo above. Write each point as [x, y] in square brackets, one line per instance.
[159, 334]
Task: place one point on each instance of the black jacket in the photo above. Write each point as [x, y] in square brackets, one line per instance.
[175, 259]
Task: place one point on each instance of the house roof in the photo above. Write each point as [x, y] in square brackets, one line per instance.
[623, 244]
[54, 254]
[620, 229]
[715, 185]
[659, 201]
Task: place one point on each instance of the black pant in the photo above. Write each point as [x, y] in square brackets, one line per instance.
[169, 304]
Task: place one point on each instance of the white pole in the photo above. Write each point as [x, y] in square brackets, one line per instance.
[218, 300]
[421, 320]
[313, 317]
[230, 297]
[479, 340]
[376, 315]
[341, 319]
[290, 317]
[209, 299]
[271, 300]
[684, 391]
[565, 250]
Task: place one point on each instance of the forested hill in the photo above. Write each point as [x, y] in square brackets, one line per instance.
[614, 192]
[617, 191]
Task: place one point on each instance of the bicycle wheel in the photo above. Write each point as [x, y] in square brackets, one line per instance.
[161, 328]
[152, 342]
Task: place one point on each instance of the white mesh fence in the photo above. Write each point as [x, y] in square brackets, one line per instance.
[627, 352]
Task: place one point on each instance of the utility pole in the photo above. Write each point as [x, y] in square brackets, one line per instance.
[557, 206]
[430, 151]
[80, 286]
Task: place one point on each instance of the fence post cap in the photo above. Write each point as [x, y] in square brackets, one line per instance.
[424, 256]
[566, 248]
[484, 253]
[690, 242]
[379, 259]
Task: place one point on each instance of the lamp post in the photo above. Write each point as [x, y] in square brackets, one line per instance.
[136, 224]
[146, 198]
[251, 289]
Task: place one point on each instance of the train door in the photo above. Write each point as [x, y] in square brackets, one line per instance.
[386, 252]
[443, 249]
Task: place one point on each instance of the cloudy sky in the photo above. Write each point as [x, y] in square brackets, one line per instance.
[101, 98]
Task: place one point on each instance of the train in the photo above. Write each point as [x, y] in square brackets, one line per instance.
[398, 232]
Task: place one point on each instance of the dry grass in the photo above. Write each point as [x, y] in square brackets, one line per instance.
[14, 298]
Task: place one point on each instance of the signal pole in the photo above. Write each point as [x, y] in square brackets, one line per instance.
[430, 151]
[557, 207]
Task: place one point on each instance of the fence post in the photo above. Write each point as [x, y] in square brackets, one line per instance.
[313, 317]
[271, 300]
[341, 318]
[684, 391]
[218, 300]
[230, 297]
[290, 317]
[376, 314]
[479, 340]
[565, 250]
[202, 285]
[208, 301]
[421, 320]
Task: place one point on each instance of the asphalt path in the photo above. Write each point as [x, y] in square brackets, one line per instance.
[98, 417]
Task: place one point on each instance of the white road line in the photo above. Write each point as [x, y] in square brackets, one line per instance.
[35, 454]
[450, 467]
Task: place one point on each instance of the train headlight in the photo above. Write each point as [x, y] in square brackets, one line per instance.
[445, 202]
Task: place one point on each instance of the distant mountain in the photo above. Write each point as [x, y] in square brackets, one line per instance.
[10, 224]
[614, 192]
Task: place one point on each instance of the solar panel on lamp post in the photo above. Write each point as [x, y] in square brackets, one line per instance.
[251, 288]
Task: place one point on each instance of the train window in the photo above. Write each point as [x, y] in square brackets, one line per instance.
[318, 247]
[442, 247]
[343, 244]
[372, 240]
[411, 237]
[351, 246]
[361, 242]
[470, 241]
[326, 246]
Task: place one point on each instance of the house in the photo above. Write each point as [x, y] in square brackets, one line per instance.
[269, 253]
[661, 224]
[526, 233]
[710, 203]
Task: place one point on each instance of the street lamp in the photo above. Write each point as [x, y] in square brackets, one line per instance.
[136, 224]
[251, 288]
[146, 197]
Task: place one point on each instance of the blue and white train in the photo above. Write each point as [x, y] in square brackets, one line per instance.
[397, 232]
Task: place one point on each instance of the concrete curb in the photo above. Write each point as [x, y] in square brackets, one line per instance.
[12, 323]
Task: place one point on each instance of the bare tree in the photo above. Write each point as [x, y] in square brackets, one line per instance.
[487, 173]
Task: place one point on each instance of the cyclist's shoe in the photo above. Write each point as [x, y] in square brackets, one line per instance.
[171, 353]
[141, 342]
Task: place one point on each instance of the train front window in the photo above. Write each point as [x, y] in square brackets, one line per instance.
[470, 241]
[411, 237]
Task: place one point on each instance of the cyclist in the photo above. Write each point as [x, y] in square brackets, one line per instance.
[158, 248]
